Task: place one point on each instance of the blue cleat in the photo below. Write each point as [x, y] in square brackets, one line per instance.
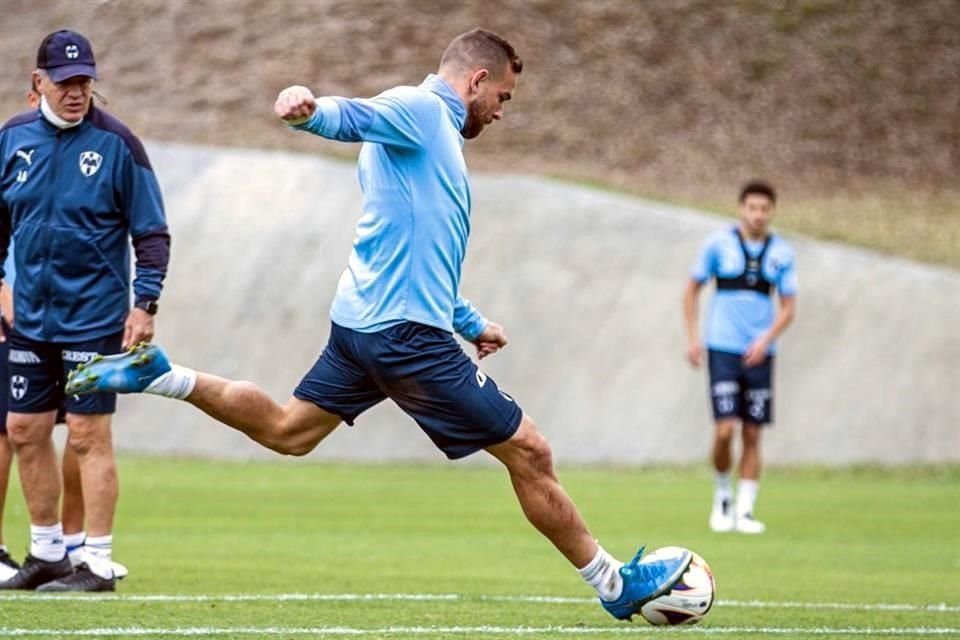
[129, 372]
[645, 580]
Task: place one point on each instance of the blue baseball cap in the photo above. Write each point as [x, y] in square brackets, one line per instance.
[64, 54]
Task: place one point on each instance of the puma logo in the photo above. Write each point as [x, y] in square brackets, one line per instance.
[26, 155]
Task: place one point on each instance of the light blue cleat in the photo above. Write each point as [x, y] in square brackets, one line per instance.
[129, 372]
[645, 580]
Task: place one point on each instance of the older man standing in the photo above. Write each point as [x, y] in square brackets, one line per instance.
[75, 187]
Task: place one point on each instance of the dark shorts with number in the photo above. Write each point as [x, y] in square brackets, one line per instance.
[38, 371]
[738, 391]
[426, 372]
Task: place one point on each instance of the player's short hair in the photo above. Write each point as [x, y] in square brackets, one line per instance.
[758, 187]
[481, 48]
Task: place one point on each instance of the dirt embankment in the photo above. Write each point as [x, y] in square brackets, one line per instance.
[680, 99]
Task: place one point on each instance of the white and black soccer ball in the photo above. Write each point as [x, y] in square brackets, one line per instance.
[690, 597]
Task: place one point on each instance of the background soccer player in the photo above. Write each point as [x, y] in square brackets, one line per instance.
[749, 263]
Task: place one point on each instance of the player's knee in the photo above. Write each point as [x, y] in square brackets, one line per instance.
[296, 448]
[291, 438]
[280, 442]
[88, 434]
[724, 431]
[22, 431]
[19, 436]
[83, 443]
[535, 454]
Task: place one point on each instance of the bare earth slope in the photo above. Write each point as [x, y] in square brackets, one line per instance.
[680, 99]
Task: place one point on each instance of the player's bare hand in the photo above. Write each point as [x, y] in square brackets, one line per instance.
[295, 104]
[490, 340]
[756, 353]
[695, 355]
[138, 328]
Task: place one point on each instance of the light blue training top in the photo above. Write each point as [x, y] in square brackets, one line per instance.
[738, 317]
[411, 238]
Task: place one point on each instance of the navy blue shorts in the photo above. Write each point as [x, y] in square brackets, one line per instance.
[739, 391]
[38, 371]
[422, 369]
[5, 381]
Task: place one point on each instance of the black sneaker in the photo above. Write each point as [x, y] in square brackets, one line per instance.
[7, 559]
[82, 579]
[36, 572]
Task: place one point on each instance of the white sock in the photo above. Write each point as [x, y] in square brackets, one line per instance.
[746, 496]
[722, 487]
[603, 574]
[177, 383]
[46, 543]
[74, 544]
[97, 553]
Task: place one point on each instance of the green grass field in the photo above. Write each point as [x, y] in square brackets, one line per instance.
[288, 550]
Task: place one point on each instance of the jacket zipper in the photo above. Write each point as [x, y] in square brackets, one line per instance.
[51, 190]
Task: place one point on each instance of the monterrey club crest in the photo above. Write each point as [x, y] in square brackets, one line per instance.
[18, 387]
[90, 162]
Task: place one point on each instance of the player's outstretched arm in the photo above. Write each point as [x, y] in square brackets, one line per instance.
[295, 105]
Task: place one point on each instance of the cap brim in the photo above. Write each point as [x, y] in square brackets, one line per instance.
[59, 74]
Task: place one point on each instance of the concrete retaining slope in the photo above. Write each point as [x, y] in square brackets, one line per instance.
[588, 285]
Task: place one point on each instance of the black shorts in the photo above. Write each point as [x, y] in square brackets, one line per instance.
[738, 391]
[38, 371]
[422, 369]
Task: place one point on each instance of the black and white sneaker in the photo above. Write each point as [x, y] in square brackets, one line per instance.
[721, 516]
[8, 566]
[7, 559]
[82, 579]
[746, 523]
[36, 572]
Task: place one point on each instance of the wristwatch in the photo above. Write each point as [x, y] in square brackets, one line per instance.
[150, 306]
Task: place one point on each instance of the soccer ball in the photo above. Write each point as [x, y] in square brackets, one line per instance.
[689, 599]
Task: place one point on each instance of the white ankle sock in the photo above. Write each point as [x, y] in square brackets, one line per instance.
[746, 496]
[97, 553]
[603, 574]
[722, 487]
[177, 383]
[46, 542]
[74, 544]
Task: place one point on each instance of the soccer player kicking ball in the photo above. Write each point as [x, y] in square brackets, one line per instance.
[397, 306]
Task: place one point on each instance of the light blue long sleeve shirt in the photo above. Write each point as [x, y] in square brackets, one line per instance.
[411, 238]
